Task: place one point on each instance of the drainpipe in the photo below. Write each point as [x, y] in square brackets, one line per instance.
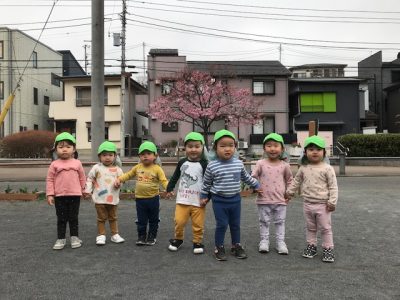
[10, 81]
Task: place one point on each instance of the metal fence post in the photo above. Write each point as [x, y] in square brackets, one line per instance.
[342, 163]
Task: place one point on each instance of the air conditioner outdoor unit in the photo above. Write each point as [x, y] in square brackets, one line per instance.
[157, 81]
[242, 145]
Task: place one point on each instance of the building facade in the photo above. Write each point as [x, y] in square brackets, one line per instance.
[40, 82]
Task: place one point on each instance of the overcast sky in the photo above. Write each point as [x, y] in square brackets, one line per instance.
[221, 29]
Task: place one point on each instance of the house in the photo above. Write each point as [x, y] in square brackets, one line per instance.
[71, 66]
[318, 71]
[337, 104]
[392, 93]
[267, 80]
[380, 76]
[40, 83]
[73, 112]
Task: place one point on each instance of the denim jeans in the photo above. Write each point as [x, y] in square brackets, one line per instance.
[147, 210]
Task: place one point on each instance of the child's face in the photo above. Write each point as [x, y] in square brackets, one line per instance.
[225, 148]
[65, 150]
[107, 158]
[194, 149]
[147, 158]
[273, 149]
[314, 154]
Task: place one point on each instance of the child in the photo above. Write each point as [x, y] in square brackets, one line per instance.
[222, 179]
[274, 176]
[65, 183]
[319, 190]
[190, 171]
[100, 183]
[148, 178]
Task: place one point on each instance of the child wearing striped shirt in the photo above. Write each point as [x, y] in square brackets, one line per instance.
[222, 180]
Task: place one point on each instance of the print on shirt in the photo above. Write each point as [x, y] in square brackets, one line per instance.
[187, 179]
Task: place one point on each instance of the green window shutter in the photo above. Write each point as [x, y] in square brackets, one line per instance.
[306, 102]
[329, 100]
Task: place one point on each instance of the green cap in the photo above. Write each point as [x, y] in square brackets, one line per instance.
[194, 136]
[107, 147]
[221, 133]
[65, 136]
[149, 146]
[275, 137]
[315, 140]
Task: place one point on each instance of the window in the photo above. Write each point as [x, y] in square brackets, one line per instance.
[265, 125]
[34, 59]
[83, 96]
[166, 87]
[318, 102]
[263, 87]
[172, 127]
[1, 89]
[395, 76]
[55, 79]
[35, 96]
[35, 127]
[1, 49]
[88, 125]
[23, 128]
[46, 100]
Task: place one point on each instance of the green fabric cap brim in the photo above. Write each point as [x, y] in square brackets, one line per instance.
[315, 140]
[194, 136]
[107, 147]
[65, 136]
[149, 146]
[221, 133]
[275, 137]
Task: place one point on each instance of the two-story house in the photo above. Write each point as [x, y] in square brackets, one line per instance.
[40, 82]
[324, 70]
[73, 112]
[267, 81]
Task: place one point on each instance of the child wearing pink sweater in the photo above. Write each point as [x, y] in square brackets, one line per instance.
[65, 183]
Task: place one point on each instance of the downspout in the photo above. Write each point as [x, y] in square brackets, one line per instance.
[10, 81]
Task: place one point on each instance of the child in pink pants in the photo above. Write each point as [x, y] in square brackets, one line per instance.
[317, 181]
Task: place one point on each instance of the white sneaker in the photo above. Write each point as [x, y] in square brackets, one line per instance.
[60, 243]
[116, 238]
[263, 247]
[281, 248]
[75, 242]
[101, 240]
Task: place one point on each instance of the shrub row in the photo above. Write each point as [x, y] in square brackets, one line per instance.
[372, 145]
[27, 144]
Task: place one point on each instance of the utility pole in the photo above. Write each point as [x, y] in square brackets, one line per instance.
[123, 78]
[97, 81]
[280, 53]
[86, 46]
[144, 61]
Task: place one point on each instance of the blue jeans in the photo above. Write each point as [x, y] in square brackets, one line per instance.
[227, 213]
[147, 210]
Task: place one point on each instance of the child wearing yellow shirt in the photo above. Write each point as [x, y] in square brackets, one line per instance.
[147, 192]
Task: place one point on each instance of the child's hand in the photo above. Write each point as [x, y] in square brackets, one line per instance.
[87, 196]
[169, 195]
[287, 197]
[203, 202]
[330, 207]
[50, 200]
[258, 191]
[117, 183]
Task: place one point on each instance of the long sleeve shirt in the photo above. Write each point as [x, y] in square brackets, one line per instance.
[274, 178]
[190, 176]
[318, 184]
[148, 180]
[100, 182]
[65, 177]
[223, 178]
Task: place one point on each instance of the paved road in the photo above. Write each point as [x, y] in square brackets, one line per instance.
[366, 226]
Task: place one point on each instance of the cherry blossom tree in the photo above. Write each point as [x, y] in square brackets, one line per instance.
[197, 97]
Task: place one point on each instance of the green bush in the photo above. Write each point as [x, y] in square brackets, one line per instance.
[27, 144]
[372, 145]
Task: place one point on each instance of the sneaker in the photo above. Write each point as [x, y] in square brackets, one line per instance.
[101, 240]
[174, 244]
[141, 240]
[219, 253]
[75, 242]
[116, 238]
[60, 243]
[282, 248]
[198, 248]
[263, 247]
[327, 255]
[151, 240]
[310, 251]
[238, 251]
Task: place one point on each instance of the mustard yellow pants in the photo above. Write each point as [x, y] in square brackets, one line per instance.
[182, 214]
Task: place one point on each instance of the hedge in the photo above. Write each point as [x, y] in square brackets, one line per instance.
[27, 144]
[372, 145]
